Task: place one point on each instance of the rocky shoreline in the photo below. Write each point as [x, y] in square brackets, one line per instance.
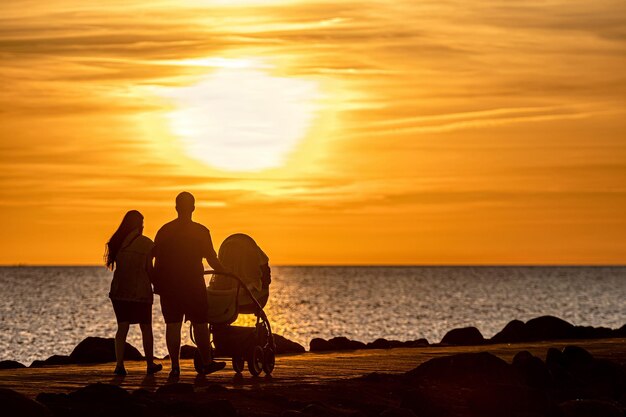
[543, 328]
[516, 331]
[554, 380]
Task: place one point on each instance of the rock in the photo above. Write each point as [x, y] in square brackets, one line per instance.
[284, 345]
[555, 360]
[532, 370]
[376, 377]
[336, 343]
[177, 388]
[466, 336]
[317, 409]
[379, 344]
[589, 332]
[59, 404]
[292, 413]
[416, 343]
[318, 345]
[16, 404]
[590, 408]
[221, 408]
[508, 400]
[465, 369]
[100, 350]
[99, 393]
[188, 352]
[343, 343]
[424, 403]
[576, 357]
[397, 412]
[11, 365]
[515, 331]
[58, 360]
[549, 328]
[215, 388]
[37, 364]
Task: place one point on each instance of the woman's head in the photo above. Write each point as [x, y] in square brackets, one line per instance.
[132, 221]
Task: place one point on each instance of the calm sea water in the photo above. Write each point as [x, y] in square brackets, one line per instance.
[48, 310]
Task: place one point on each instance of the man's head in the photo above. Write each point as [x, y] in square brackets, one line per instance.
[185, 204]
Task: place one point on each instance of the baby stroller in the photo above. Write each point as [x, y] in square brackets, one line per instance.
[244, 290]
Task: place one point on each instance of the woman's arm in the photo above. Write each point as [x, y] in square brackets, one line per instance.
[150, 265]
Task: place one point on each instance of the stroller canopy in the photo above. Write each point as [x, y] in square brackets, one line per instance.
[240, 254]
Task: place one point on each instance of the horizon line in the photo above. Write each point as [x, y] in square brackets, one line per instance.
[360, 265]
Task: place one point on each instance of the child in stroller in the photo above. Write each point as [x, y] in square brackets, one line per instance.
[244, 290]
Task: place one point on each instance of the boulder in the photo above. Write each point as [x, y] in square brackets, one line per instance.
[415, 343]
[549, 328]
[58, 404]
[100, 350]
[576, 357]
[397, 412]
[555, 360]
[589, 332]
[16, 404]
[465, 369]
[177, 388]
[424, 402]
[532, 370]
[99, 393]
[336, 343]
[515, 331]
[480, 383]
[11, 365]
[319, 345]
[589, 408]
[379, 344]
[52, 360]
[284, 345]
[343, 343]
[292, 413]
[221, 408]
[466, 336]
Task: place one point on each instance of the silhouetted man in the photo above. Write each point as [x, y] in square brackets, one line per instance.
[180, 247]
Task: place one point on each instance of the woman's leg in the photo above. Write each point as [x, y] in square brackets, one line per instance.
[120, 341]
[147, 337]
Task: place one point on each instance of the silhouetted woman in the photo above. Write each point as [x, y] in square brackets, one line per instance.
[129, 255]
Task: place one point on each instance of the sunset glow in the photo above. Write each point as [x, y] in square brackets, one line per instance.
[240, 118]
[332, 132]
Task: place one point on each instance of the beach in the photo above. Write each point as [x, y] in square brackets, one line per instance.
[550, 378]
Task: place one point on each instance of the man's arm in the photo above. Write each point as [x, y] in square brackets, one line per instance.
[211, 256]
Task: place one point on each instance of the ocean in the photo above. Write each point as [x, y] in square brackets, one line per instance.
[49, 310]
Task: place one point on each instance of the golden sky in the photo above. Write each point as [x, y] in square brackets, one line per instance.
[369, 132]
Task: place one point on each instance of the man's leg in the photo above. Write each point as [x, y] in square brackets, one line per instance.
[172, 339]
[148, 343]
[201, 334]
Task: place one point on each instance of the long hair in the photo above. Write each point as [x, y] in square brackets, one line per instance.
[132, 220]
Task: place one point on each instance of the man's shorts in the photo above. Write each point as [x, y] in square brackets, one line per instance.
[178, 309]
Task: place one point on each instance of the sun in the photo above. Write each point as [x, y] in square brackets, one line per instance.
[240, 117]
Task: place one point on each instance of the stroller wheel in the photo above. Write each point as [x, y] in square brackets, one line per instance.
[269, 360]
[238, 364]
[255, 362]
